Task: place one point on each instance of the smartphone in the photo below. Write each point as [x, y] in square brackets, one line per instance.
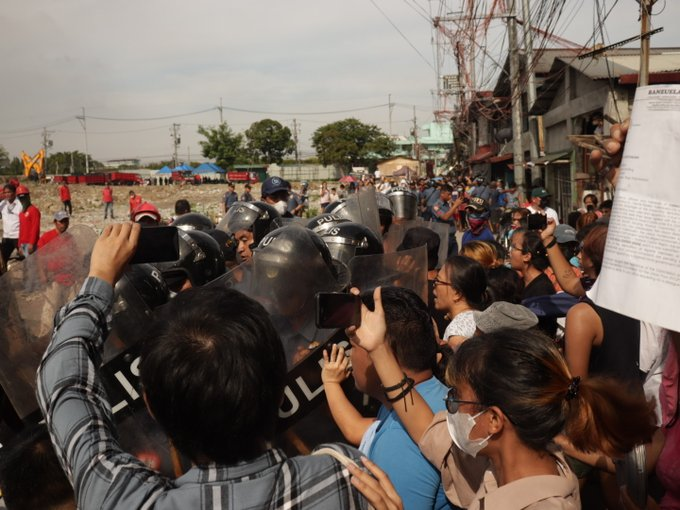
[337, 310]
[537, 221]
[157, 244]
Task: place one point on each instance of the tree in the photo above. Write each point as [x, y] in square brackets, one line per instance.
[349, 143]
[221, 144]
[268, 141]
[70, 163]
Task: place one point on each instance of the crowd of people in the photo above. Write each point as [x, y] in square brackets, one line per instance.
[500, 382]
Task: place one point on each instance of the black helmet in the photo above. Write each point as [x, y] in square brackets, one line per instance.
[324, 222]
[200, 260]
[193, 221]
[256, 217]
[296, 252]
[227, 244]
[334, 207]
[346, 240]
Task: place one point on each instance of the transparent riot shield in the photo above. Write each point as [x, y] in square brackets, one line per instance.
[32, 293]
[395, 237]
[406, 269]
[361, 207]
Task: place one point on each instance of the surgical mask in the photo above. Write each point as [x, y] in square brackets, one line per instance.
[574, 261]
[460, 425]
[281, 207]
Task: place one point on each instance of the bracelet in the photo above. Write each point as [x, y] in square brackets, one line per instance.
[397, 386]
[551, 243]
[410, 383]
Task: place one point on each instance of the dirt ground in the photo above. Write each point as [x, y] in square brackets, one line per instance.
[89, 210]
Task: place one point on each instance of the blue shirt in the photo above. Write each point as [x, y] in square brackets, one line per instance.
[416, 480]
[440, 208]
[484, 235]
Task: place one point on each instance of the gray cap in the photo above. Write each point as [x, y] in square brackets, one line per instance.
[565, 233]
[502, 314]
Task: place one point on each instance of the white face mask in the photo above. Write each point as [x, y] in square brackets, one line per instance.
[460, 425]
[281, 207]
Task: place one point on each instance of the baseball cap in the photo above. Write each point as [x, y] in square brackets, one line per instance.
[478, 204]
[61, 216]
[539, 192]
[502, 314]
[565, 234]
[273, 184]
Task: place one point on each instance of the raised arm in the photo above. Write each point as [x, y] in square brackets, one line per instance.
[569, 282]
[335, 370]
[412, 410]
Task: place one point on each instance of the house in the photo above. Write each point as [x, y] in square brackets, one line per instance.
[400, 166]
[432, 145]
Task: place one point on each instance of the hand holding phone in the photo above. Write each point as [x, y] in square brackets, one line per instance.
[337, 310]
[537, 221]
[157, 244]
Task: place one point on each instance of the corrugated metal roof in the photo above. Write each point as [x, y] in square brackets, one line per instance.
[596, 68]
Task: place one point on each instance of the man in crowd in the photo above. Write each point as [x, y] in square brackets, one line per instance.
[29, 223]
[247, 195]
[222, 420]
[10, 208]
[65, 197]
[298, 201]
[135, 201]
[540, 203]
[61, 223]
[107, 199]
[230, 197]
[444, 211]
[275, 192]
[477, 219]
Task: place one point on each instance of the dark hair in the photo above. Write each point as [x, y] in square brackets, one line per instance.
[594, 243]
[607, 204]
[572, 218]
[447, 187]
[586, 219]
[533, 245]
[30, 474]
[182, 206]
[410, 332]
[11, 187]
[524, 374]
[213, 370]
[592, 197]
[468, 277]
[504, 284]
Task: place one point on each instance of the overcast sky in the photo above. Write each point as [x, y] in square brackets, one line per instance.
[150, 59]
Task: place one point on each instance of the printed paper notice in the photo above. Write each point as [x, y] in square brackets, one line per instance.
[640, 274]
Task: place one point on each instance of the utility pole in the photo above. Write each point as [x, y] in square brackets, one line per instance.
[295, 140]
[220, 109]
[531, 85]
[175, 142]
[83, 122]
[516, 95]
[645, 15]
[389, 104]
[416, 148]
[47, 144]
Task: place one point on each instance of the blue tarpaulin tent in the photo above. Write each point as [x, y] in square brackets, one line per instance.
[183, 168]
[165, 170]
[208, 168]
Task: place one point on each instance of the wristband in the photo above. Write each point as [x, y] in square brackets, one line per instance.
[551, 243]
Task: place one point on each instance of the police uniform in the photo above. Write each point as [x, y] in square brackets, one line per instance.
[438, 210]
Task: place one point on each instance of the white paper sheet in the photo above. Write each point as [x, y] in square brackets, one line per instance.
[640, 274]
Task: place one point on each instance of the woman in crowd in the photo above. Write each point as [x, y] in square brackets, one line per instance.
[324, 196]
[511, 394]
[482, 252]
[460, 288]
[530, 258]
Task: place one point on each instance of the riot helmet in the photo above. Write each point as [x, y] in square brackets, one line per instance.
[193, 221]
[248, 222]
[404, 202]
[346, 240]
[200, 260]
[335, 207]
[227, 245]
[324, 222]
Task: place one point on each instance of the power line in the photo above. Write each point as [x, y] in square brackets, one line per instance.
[166, 117]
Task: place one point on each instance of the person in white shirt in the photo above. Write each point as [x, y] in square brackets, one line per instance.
[10, 208]
[540, 200]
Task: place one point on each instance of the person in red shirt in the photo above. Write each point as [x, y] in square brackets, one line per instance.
[107, 198]
[61, 223]
[135, 202]
[29, 223]
[65, 197]
[56, 252]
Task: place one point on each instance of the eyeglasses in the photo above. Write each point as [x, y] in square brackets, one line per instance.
[437, 281]
[513, 247]
[453, 402]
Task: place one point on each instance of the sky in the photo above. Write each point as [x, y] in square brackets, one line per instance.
[138, 66]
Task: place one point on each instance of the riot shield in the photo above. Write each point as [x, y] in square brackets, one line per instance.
[406, 269]
[394, 238]
[33, 292]
[361, 207]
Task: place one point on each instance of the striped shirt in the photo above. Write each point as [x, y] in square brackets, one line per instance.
[78, 415]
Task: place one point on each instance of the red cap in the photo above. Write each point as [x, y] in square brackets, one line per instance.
[22, 190]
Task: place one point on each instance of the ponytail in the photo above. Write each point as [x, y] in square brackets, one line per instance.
[604, 416]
